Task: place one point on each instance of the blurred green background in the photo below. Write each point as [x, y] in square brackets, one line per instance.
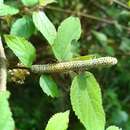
[111, 37]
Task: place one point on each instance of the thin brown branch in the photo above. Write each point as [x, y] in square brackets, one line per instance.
[121, 4]
[99, 6]
[3, 69]
[81, 14]
[89, 16]
[107, 21]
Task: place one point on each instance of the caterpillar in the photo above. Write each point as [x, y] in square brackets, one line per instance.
[19, 74]
[74, 65]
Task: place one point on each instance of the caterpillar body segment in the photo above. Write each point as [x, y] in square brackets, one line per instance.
[74, 65]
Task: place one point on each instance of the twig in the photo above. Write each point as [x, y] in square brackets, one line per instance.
[112, 22]
[121, 4]
[3, 69]
[99, 6]
[107, 21]
[81, 14]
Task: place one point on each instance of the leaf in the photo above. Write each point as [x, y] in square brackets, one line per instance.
[46, 2]
[23, 49]
[128, 125]
[113, 128]
[29, 2]
[7, 10]
[128, 3]
[125, 45]
[118, 27]
[86, 57]
[124, 17]
[119, 116]
[110, 50]
[23, 27]
[6, 120]
[101, 38]
[69, 30]
[49, 86]
[58, 121]
[86, 101]
[75, 48]
[45, 26]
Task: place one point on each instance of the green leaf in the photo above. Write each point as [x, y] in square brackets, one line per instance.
[46, 2]
[69, 30]
[7, 10]
[119, 116]
[113, 128]
[23, 49]
[6, 120]
[86, 57]
[23, 27]
[110, 50]
[101, 38]
[86, 101]
[124, 17]
[125, 45]
[58, 121]
[29, 2]
[49, 86]
[45, 26]
[128, 3]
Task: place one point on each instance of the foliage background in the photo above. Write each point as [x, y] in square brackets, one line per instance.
[32, 108]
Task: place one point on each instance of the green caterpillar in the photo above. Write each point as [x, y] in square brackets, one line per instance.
[74, 65]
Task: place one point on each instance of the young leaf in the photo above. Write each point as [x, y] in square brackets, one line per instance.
[7, 10]
[29, 2]
[23, 49]
[46, 2]
[23, 27]
[86, 101]
[113, 128]
[69, 30]
[58, 121]
[128, 3]
[45, 26]
[6, 120]
[49, 86]
[86, 57]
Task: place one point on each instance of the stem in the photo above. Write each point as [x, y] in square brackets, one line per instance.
[3, 69]
[81, 14]
[121, 4]
[107, 21]
[111, 22]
